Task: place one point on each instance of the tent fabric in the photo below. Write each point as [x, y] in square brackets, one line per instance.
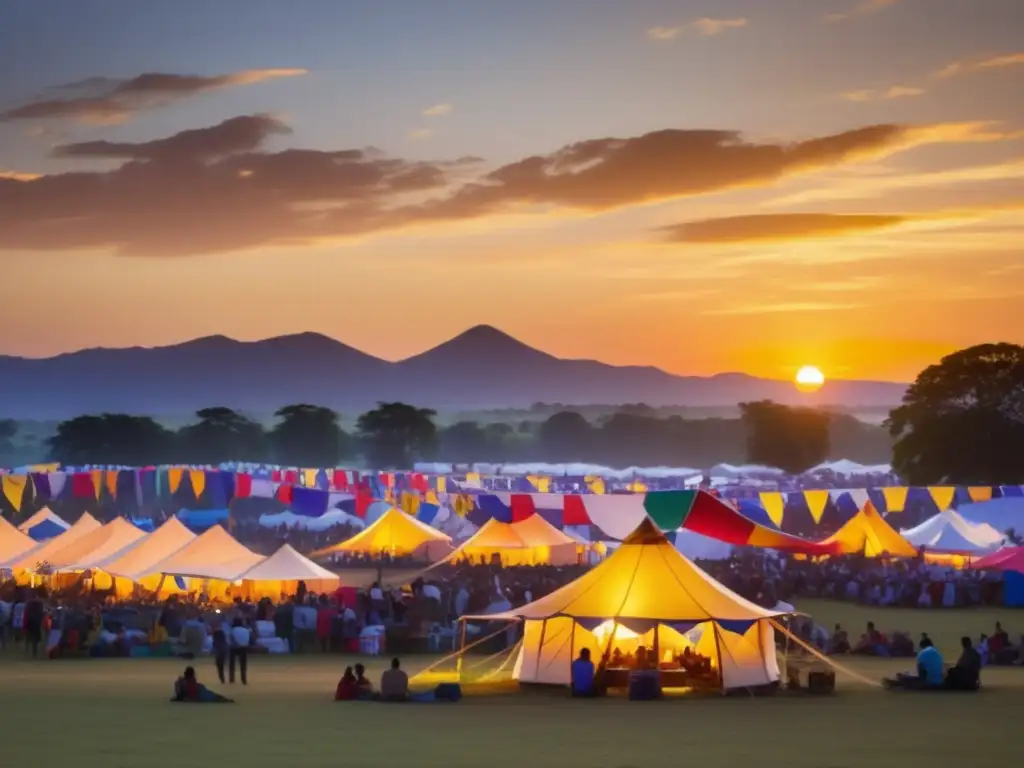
[694, 546]
[288, 565]
[868, 534]
[645, 583]
[140, 559]
[1005, 559]
[85, 552]
[43, 525]
[397, 534]
[85, 525]
[948, 532]
[212, 555]
[533, 541]
[13, 542]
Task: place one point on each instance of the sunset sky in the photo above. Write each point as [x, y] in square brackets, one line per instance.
[705, 185]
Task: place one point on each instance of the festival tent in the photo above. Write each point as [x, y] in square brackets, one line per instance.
[867, 533]
[95, 547]
[135, 563]
[44, 525]
[281, 573]
[214, 554]
[949, 533]
[398, 534]
[1005, 559]
[533, 541]
[12, 541]
[42, 553]
[644, 593]
[696, 546]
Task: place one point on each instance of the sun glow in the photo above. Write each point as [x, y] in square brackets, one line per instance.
[809, 379]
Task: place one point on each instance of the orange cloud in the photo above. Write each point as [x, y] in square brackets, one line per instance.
[864, 8]
[103, 101]
[770, 227]
[968, 67]
[704, 26]
[894, 92]
[438, 110]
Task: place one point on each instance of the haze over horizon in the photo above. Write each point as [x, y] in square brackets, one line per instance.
[700, 186]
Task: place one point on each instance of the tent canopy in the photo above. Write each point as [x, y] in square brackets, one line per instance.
[644, 578]
[44, 525]
[395, 533]
[949, 532]
[1006, 559]
[13, 542]
[867, 533]
[140, 558]
[96, 546]
[288, 565]
[43, 553]
[533, 541]
[215, 554]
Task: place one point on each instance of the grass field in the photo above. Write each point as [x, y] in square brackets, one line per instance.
[115, 713]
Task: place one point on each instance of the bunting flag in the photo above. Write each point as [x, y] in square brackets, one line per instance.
[97, 482]
[41, 483]
[309, 478]
[243, 486]
[57, 481]
[895, 498]
[774, 505]
[595, 484]
[942, 495]
[409, 502]
[540, 483]
[198, 479]
[111, 482]
[442, 484]
[14, 489]
[81, 485]
[816, 503]
[291, 476]
[308, 502]
[174, 475]
[979, 494]
[636, 486]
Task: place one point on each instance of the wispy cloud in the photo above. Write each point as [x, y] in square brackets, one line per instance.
[776, 227]
[19, 176]
[971, 66]
[438, 110]
[894, 92]
[863, 8]
[704, 26]
[105, 101]
[782, 306]
[420, 133]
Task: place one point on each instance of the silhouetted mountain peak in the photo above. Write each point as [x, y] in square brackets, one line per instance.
[481, 342]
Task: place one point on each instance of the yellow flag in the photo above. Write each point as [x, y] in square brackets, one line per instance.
[942, 495]
[816, 501]
[309, 478]
[198, 478]
[895, 498]
[14, 489]
[442, 484]
[596, 485]
[174, 475]
[97, 482]
[774, 505]
[112, 483]
[431, 497]
[410, 502]
[983, 493]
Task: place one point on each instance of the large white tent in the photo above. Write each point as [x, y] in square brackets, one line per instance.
[282, 571]
[93, 548]
[949, 533]
[142, 557]
[215, 554]
[40, 555]
[13, 542]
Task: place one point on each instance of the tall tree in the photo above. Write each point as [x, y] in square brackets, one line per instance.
[221, 435]
[308, 436]
[8, 429]
[112, 438]
[962, 420]
[791, 439]
[463, 441]
[567, 436]
[394, 435]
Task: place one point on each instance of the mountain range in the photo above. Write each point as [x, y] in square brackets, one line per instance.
[482, 367]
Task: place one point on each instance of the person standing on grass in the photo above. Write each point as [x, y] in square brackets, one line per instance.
[220, 651]
[239, 652]
[35, 613]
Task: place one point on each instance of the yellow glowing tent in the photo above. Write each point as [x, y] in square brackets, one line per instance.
[13, 542]
[281, 573]
[868, 534]
[533, 541]
[212, 555]
[398, 534]
[645, 593]
[135, 564]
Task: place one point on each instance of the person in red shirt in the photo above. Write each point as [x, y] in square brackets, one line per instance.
[348, 687]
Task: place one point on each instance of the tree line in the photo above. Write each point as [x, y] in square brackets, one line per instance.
[961, 421]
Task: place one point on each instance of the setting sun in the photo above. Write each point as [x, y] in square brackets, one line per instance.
[809, 379]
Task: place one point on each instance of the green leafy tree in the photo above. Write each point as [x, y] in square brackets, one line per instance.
[308, 436]
[112, 438]
[567, 436]
[221, 435]
[463, 441]
[962, 420]
[394, 435]
[8, 429]
[790, 439]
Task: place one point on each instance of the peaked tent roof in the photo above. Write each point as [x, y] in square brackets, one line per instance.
[394, 531]
[949, 532]
[44, 524]
[96, 546]
[534, 531]
[1006, 559]
[13, 542]
[214, 554]
[85, 525]
[645, 578]
[287, 565]
[867, 533]
[138, 560]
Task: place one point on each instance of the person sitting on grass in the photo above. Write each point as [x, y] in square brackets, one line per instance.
[966, 675]
[348, 688]
[188, 688]
[872, 643]
[364, 688]
[930, 670]
[840, 642]
[394, 683]
[583, 675]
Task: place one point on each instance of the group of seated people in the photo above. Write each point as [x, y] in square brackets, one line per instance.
[932, 674]
[353, 686]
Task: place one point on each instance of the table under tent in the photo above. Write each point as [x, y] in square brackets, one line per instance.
[646, 595]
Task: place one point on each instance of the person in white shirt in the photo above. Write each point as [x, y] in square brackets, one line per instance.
[238, 653]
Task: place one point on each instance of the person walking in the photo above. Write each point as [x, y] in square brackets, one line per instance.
[241, 636]
[220, 651]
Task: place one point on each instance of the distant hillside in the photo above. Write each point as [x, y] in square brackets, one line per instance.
[482, 368]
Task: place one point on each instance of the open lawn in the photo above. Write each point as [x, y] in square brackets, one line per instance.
[114, 713]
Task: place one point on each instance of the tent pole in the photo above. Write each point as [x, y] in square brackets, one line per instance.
[540, 648]
[718, 650]
[462, 647]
